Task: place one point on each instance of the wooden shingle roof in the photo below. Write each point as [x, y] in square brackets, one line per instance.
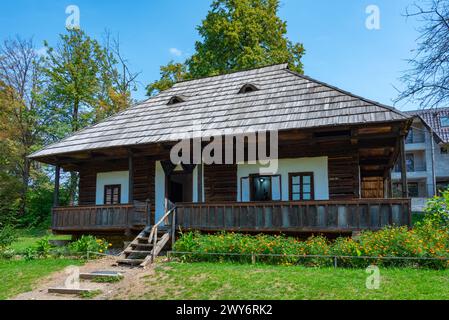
[284, 100]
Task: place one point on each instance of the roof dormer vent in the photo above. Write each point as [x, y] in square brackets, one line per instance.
[247, 88]
[175, 100]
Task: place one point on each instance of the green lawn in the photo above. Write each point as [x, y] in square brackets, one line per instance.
[233, 281]
[28, 238]
[17, 276]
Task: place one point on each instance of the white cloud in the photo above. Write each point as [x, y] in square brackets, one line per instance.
[175, 52]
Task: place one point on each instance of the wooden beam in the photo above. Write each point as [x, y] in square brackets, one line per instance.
[200, 182]
[131, 178]
[56, 191]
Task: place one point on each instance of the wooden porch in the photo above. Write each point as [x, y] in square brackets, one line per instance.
[107, 219]
[288, 217]
[295, 217]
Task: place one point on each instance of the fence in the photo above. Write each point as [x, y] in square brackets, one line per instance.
[329, 260]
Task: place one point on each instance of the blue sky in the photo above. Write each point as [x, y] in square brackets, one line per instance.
[340, 49]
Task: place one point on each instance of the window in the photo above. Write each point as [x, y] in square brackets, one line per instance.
[260, 188]
[248, 88]
[410, 162]
[409, 138]
[301, 186]
[112, 194]
[445, 121]
[413, 189]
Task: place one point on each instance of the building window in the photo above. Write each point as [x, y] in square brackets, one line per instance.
[442, 186]
[409, 138]
[445, 121]
[112, 194]
[413, 190]
[410, 162]
[260, 188]
[301, 186]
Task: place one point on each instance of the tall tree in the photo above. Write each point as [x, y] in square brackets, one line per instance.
[84, 84]
[170, 74]
[236, 35]
[427, 81]
[73, 81]
[118, 80]
[22, 113]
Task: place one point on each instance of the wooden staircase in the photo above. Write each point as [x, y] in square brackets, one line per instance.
[143, 250]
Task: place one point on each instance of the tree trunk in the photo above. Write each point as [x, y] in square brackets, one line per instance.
[25, 183]
[73, 183]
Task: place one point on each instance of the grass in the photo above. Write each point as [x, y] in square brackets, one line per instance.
[103, 279]
[233, 281]
[29, 237]
[90, 294]
[17, 276]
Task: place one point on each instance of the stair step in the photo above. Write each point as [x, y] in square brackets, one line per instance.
[142, 245]
[100, 274]
[130, 261]
[69, 290]
[146, 252]
[145, 239]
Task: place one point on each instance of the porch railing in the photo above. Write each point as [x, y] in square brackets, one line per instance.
[106, 218]
[311, 216]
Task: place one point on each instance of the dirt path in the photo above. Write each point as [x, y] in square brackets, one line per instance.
[132, 284]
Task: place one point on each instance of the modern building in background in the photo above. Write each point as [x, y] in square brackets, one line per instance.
[427, 156]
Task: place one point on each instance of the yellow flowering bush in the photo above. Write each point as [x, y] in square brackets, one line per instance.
[89, 244]
[385, 247]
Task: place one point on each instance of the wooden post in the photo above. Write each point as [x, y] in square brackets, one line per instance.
[403, 167]
[131, 179]
[200, 182]
[389, 186]
[56, 190]
[173, 230]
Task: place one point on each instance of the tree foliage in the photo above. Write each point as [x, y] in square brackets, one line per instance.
[23, 117]
[236, 35]
[84, 84]
[44, 98]
[427, 81]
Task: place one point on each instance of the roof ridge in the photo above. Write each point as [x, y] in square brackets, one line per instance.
[431, 110]
[282, 66]
[350, 93]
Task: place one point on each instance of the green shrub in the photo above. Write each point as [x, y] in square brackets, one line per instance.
[87, 244]
[7, 254]
[437, 211]
[7, 236]
[30, 254]
[424, 241]
[43, 247]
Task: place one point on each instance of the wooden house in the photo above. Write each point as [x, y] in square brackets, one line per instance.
[335, 155]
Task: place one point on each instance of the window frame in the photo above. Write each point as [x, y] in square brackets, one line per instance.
[301, 176]
[112, 186]
[251, 178]
[444, 121]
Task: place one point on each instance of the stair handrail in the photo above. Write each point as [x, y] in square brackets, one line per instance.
[153, 234]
